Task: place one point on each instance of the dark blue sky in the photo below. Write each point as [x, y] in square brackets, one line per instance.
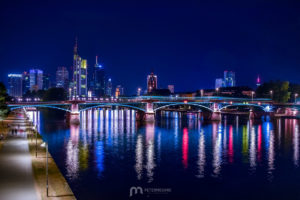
[186, 43]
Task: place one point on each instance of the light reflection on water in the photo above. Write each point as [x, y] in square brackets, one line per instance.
[111, 145]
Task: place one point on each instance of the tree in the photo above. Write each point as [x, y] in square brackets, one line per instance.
[55, 94]
[34, 94]
[277, 90]
[284, 94]
[4, 110]
[294, 90]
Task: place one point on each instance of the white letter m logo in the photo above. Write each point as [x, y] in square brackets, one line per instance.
[135, 190]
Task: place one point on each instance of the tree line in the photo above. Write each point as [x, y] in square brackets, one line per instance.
[279, 91]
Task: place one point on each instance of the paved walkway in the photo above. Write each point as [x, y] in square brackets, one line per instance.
[16, 175]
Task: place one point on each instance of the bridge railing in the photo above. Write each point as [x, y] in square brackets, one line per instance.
[143, 98]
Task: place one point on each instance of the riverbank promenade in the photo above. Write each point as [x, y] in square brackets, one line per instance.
[22, 172]
[16, 174]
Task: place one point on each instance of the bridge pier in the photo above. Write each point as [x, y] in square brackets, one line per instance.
[149, 114]
[149, 117]
[74, 118]
[213, 116]
[216, 116]
[145, 117]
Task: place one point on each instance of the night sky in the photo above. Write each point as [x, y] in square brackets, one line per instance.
[186, 43]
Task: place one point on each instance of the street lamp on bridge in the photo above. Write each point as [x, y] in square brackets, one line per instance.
[201, 92]
[296, 95]
[252, 94]
[271, 94]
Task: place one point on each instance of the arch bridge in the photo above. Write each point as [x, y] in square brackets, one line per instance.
[148, 106]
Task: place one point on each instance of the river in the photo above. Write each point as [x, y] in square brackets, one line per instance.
[111, 156]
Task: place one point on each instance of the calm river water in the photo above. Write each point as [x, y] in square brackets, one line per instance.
[109, 154]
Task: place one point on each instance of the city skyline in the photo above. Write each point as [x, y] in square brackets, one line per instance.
[81, 83]
[149, 99]
[236, 37]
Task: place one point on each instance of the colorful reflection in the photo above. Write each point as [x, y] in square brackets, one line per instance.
[185, 147]
[201, 155]
[72, 153]
[112, 145]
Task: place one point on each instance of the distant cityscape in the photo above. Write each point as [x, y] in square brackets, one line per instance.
[78, 83]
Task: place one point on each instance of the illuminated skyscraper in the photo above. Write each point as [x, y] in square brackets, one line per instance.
[229, 79]
[62, 78]
[151, 82]
[109, 87]
[46, 81]
[15, 85]
[79, 84]
[25, 82]
[36, 79]
[219, 83]
[171, 88]
[119, 91]
[99, 80]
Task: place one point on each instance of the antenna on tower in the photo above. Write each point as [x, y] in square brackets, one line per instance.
[258, 81]
[76, 46]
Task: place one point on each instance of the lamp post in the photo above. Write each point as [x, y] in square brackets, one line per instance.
[35, 143]
[201, 92]
[271, 94]
[47, 185]
[217, 90]
[296, 95]
[252, 94]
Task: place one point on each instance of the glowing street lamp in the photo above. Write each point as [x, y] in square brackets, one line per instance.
[296, 95]
[271, 94]
[217, 90]
[252, 94]
[139, 91]
[201, 92]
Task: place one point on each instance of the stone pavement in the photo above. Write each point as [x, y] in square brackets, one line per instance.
[16, 174]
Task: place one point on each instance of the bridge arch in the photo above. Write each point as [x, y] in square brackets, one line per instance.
[113, 104]
[263, 108]
[182, 103]
[39, 106]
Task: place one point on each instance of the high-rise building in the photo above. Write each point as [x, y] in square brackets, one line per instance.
[258, 83]
[79, 84]
[15, 85]
[62, 78]
[36, 79]
[171, 88]
[219, 83]
[119, 91]
[46, 81]
[229, 79]
[109, 87]
[99, 80]
[25, 82]
[151, 82]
